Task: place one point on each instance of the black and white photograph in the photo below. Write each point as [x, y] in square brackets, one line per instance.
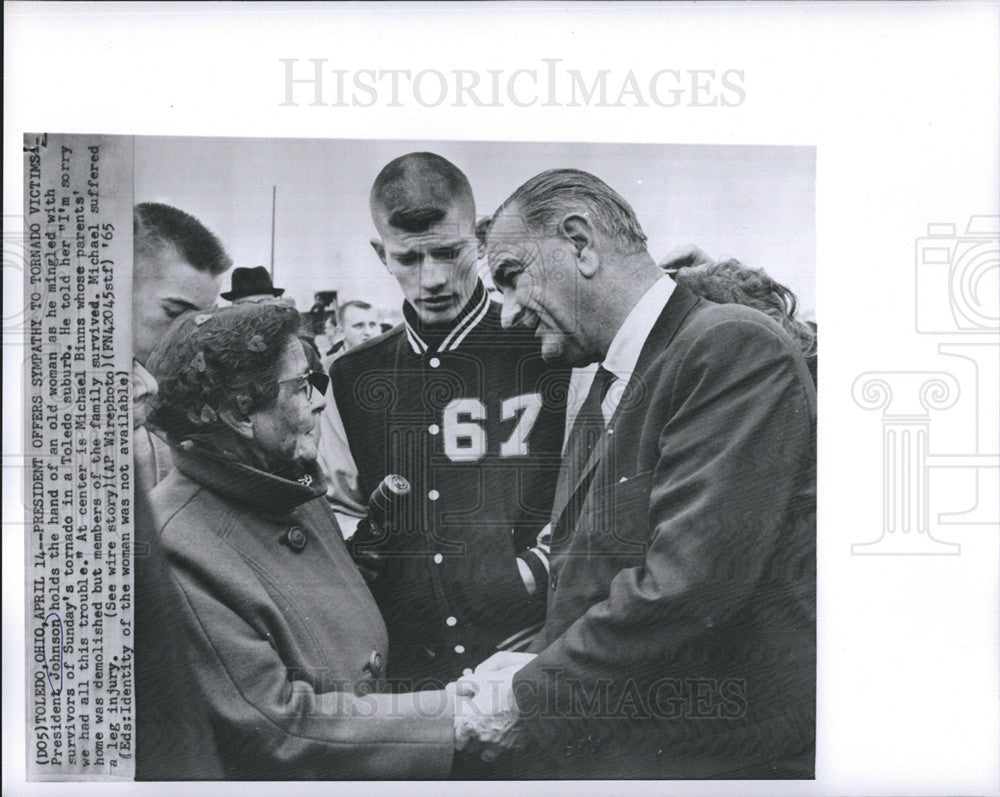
[470, 434]
[471, 488]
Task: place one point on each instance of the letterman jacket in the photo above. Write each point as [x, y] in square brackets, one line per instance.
[473, 418]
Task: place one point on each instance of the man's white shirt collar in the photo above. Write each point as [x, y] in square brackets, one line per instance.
[623, 354]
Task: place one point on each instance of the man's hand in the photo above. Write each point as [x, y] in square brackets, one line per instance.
[685, 256]
[465, 692]
[486, 719]
[504, 660]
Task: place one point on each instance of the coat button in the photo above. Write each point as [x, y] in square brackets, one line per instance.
[450, 621]
[375, 663]
[552, 581]
[295, 538]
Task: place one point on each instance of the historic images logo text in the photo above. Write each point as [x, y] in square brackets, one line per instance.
[313, 82]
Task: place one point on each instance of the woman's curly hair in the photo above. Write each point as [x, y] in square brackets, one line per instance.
[731, 282]
[224, 359]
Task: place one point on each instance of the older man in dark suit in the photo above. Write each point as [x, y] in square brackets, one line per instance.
[679, 640]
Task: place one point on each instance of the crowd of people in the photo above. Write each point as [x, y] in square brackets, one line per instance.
[453, 548]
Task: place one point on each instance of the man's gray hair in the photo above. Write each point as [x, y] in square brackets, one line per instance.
[547, 196]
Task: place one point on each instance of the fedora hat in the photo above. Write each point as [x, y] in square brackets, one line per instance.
[251, 282]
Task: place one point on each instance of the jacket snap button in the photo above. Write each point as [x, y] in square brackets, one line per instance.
[296, 538]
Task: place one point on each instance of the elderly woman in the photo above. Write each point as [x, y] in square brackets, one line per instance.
[288, 645]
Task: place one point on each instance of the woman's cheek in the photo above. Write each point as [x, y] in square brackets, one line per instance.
[308, 438]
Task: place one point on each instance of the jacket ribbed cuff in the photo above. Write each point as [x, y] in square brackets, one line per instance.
[537, 561]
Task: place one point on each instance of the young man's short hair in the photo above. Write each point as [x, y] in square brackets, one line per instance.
[157, 227]
[358, 303]
[416, 190]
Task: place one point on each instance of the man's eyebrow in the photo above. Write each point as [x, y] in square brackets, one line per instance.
[446, 246]
[407, 251]
[419, 248]
[442, 242]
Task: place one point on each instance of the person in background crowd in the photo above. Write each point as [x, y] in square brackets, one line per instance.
[390, 317]
[482, 228]
[358, 323]
[307, 329]
[469, 414]
[177, 267]
[288, 647]
[679, 639]
[731, 282]
[313, 359]
[252, 285]
[329, 342]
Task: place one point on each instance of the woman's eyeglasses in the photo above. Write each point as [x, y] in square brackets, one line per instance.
[313, 380]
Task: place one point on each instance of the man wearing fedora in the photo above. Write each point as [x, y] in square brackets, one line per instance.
[252, 285]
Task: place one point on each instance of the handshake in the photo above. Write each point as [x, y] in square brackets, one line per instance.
[485, 711]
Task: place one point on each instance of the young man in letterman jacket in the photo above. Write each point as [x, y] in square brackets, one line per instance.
[470, 415]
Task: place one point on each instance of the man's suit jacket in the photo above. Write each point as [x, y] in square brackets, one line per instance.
[680, 634]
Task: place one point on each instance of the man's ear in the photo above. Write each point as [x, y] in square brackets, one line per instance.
[379, 248]
[242, 424]
[577, 230]
[482, 229]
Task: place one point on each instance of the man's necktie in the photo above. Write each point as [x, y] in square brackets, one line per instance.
[590, 418]
[589, 424]
[587, 430]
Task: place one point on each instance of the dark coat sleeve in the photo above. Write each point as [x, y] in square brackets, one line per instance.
[173, 738]
[284, 726]
[732, 421]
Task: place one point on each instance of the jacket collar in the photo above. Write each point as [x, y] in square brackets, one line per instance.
[264, 492]
[627, 345]
[446, 337]
[678, 306]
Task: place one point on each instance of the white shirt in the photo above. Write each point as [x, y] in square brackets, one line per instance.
[623, 353]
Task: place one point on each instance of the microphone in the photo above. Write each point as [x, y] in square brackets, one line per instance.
[384, 506]
[387, 499]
